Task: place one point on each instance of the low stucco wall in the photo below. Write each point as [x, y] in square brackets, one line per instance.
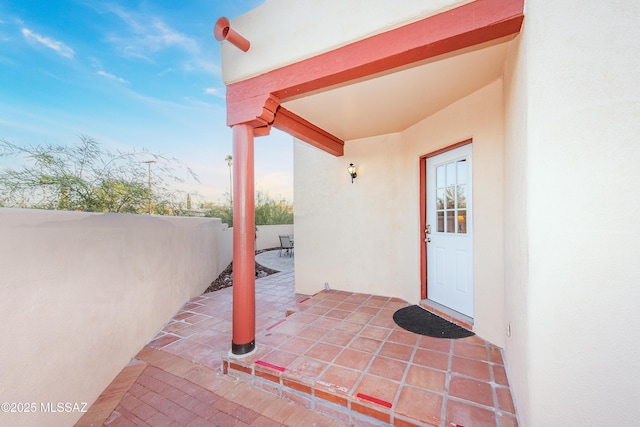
[81, 293]
[268, 235]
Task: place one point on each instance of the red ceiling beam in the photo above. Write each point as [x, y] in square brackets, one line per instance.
[299, 128]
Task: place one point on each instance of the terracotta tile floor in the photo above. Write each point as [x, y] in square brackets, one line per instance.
[338, 359]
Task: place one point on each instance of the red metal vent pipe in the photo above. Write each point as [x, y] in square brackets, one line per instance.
[222, 31]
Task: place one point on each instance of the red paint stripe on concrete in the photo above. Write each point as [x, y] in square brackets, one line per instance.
[374, 400]
[270, 365]
[275, 324]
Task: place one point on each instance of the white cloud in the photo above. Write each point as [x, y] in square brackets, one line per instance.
[165, 36]
[149, 35]
[215, 92]
[198, 64]
[59, 47]
[111, 76]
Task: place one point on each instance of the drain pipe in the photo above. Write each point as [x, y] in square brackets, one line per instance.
[222, 31]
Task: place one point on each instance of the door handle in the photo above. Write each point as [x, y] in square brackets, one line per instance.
[428, 240]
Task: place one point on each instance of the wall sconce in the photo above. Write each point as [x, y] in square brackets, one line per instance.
[352, 171]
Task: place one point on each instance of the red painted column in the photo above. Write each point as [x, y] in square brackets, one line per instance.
[244, 301]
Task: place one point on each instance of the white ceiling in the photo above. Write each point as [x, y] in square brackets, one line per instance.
[395, 100]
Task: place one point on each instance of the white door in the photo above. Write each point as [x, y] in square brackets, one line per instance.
[449, 234]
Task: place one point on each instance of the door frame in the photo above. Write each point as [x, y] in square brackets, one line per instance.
[423, 211]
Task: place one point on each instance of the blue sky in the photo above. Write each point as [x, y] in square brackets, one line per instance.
[131, 74]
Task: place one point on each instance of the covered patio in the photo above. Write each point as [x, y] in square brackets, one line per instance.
[334, 358]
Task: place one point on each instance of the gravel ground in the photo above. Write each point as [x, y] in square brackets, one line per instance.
[225, 279]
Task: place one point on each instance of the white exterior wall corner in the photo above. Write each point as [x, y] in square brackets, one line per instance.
[365, 237]
[281, 33]
[81, 293]
[581, 61]
[516, 244]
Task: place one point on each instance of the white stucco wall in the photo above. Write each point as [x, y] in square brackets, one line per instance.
[516, 247]
[81, 294]
[359, 237]
[365, 237]
[279, 39]
[268, 235]
[576, 339]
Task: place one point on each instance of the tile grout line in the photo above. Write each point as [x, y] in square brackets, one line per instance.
[366, 369]
[349, 397]
[447, 381]
[112, 408]
[494, 392]
[404, 377]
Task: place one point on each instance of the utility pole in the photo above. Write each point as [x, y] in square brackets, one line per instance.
[229, 160]
[148, 162]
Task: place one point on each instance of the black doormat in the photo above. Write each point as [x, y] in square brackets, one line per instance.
[420, 321]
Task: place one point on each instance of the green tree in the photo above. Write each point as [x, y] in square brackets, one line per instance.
[224, 212]
[271, 212]
[267, 211]
[89, 178]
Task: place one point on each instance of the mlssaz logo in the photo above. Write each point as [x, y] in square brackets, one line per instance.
[63, 407]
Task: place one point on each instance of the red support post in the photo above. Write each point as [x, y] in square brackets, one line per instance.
[244, 301]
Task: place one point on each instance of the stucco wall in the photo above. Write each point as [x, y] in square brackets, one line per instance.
[365, 236]
[80, 294]
[268, 235]
[517, 346]
[576, 73]
[335, 23]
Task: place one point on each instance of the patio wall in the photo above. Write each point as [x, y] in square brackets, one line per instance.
[81, 293]
[268, 235]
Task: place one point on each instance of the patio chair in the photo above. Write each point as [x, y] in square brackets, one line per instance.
[286, 245]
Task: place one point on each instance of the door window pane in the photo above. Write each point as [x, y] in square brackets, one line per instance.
[462, 198]
[440, 198]
[462, 222]
[451, 222]
[461, 166]
[451, 173]
[451, 197]
[440, 177]
[441, 222]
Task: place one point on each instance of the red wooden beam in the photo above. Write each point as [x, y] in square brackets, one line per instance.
[298, 127]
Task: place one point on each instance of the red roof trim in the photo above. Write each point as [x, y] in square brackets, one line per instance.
[473, 23]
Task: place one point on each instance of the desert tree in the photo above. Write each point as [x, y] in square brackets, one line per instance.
[87, 177]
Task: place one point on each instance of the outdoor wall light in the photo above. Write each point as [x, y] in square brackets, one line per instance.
[352, 171]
